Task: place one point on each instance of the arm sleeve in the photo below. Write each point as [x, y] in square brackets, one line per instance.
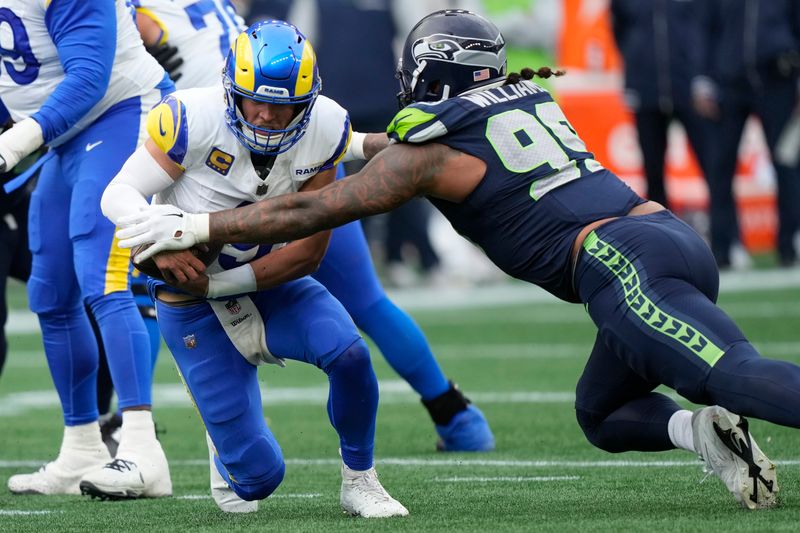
[85, 35]
[139, 178]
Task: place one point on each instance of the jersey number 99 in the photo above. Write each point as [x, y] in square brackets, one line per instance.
[21, 50]
[526, 141]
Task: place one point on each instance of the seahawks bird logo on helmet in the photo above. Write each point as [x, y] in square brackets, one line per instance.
[447, 53]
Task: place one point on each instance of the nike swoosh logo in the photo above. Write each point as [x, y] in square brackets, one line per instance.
[160, 127]
[174, 215]
[398, 119]
[92, 146]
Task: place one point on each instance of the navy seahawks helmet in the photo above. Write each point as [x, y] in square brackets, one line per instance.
[447, 53]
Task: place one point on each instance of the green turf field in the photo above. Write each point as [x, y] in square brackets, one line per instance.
[519, 362]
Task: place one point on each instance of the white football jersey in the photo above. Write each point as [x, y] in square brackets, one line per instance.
[134, 73]
[189, 126]
[201, 30]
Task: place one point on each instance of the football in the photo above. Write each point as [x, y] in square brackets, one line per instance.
[206, 253]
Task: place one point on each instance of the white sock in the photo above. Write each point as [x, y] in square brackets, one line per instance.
[680, 430]
[137, 429]
[82, 436]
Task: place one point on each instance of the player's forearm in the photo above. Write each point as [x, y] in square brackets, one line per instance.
[394, 177]
[280, 219]
[374, 143]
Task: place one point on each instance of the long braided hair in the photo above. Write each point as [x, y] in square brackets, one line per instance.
[528, 73]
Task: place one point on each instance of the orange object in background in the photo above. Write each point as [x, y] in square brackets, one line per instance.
[591, 97]
[586, 42]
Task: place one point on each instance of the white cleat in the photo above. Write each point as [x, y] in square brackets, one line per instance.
[729, 451]
[130, 476]
[61, 476]
[363, 495]
[227, 500]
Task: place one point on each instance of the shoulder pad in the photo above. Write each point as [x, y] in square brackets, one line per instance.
[166, 125]
[422, 122]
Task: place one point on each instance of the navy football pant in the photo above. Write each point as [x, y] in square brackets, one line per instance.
[650, 284]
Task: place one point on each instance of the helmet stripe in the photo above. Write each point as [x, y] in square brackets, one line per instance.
[245, 76]
[305, 75]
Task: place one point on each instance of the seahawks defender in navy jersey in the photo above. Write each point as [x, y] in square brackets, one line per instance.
[497, 156]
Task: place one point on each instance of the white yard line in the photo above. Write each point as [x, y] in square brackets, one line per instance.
[446, 463]
[503, 479]
[271, 497]
[174, 395]
[426, 298]
[499, 350]
[15, 512]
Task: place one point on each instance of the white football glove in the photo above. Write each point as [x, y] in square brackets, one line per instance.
[164, 225]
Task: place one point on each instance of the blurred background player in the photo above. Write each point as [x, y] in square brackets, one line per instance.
[184, 36]
[347, 270]
[15, 258]
[750, 64]
[263, 130]
[658, 42]
[81, 82]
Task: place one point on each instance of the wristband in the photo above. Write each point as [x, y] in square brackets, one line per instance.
[199, 225]
[21, 140]
[237, 280]
[355, 150]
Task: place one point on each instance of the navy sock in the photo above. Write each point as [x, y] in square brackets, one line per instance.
[353, 404]
[404, 347]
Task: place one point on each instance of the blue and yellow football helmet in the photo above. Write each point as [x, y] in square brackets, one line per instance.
[270, 62]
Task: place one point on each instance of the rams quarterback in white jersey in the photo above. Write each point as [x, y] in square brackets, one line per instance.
[193, 34]
[265, 132]
[77, 78]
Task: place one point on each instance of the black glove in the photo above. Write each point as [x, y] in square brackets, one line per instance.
[167, 56]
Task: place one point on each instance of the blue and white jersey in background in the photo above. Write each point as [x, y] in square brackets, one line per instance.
[202, 30]
[39, 43]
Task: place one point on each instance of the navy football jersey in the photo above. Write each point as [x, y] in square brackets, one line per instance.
[541, 184]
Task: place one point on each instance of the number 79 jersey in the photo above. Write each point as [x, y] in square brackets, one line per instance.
[541, 185]
[202, 30]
